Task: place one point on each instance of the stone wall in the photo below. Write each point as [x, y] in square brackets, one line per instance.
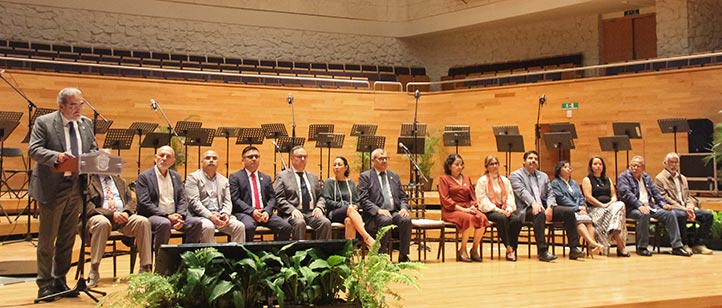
[705, 25]
[672, 28]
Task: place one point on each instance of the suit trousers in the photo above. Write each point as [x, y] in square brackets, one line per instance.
[508, 227]
[642, 226]
[404, 228]
[280, 227]
[321, 226]
[56, 232]
[161, 228]
[705, 220]
[234, 228]
[137, 227]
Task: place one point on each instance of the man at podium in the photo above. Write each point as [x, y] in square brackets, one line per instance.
[57, 138]
[161, 199]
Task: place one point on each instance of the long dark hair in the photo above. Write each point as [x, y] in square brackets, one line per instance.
[450, 161]
[558, 168]
[604, 168]
[345, 164]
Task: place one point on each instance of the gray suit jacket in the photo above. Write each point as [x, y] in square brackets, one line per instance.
[47, 141]
[287, 191]
[195, 191]
[523, 193]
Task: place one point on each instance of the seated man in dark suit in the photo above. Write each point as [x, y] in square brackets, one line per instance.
[643, 201]
[298, 194]
[111, 207]
[161, 199]
[254, 199]
[383, 201]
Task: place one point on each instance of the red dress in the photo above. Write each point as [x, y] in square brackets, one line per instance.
[452, 194]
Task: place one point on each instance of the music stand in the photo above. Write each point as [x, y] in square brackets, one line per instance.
[564, 127]
[313, 131]
[559, 141]
[119, 139]
[200, 137]
[287, 143]
[630, 129]
[673, 125]
[227, 132]
[508, 144]
[505, 130]
[14, 116]
[457, 138]
[616, 144]
[366, 144]
[6, 128]
[414, 145]
[102, 126]
[363, 130]
[155, 140]
[329, 140]
[38, 112]
[250, 136]
[407, 129]
[274, 131]
[142, 128]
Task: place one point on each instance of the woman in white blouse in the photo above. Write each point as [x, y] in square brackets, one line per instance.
[496, 200]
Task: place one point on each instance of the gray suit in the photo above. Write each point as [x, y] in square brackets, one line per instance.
[58, 195]
[287, 200]
[197, 196]
[522, 183]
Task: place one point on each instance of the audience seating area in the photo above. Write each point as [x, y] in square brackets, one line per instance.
[118, 62]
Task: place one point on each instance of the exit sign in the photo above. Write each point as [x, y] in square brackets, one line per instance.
[631, 12]
[570, 106]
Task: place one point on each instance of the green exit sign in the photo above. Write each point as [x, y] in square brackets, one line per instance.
[570, 106]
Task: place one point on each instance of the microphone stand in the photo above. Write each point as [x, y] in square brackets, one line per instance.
[96, 114]
[414, 164]
[171, 131]
[276, 149]
[537, 126]
[28, 235]
[293, 128]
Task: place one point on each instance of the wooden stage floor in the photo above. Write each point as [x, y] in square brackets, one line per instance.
[660, 281]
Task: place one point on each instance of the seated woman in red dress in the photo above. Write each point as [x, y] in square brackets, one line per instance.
[459, 206]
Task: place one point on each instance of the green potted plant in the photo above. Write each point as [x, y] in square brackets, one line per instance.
[367, 285]
[715, 242]
[426, 161]
[716, 150]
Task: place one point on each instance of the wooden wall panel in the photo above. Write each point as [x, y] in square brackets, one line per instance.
[690, 93]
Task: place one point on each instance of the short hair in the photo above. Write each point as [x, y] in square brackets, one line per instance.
[450, 161]
[345, 164]
[527, 153]
[669, 156]
[167, 147]
[558, 167]
[590, 173]
[67, 92]
[249, 148]
[296, 148]
[377, 152]
[636, 157]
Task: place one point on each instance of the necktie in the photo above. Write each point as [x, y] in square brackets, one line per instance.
[256, 195]
[535, 188]
[385, 188]
[109, 196]
[73, 139]
[305, 195]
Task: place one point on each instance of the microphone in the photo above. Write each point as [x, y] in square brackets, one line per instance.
[290, 99]
[153, 104]
[417, 94]
[542, 99]
[2, 72]
[402, 145]
[276, 146]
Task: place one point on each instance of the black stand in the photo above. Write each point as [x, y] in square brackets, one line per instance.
[616, 144]
[118, 139]
[142, 128]
[182, 128]
[275, 131]
[509, 144]
[155, 140]
[559, 141]
[228, 132]
[629, 129]
[7, 126]
[329, 140]
[287, 143]
[360, 130]
[418, 132]
[537, 126]
[673, 126]
[456, 136]
[200, 137]
[250, 136]
[313, 131]
[366, 144]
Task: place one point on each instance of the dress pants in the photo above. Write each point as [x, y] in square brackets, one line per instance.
[642, 226]
[705, 220]
[56, 232]
[137, 227]
[280, 227]
[507, 227]
[234, 228]
[321, 226]
[404, 228]
[161, 230]
[560, 214]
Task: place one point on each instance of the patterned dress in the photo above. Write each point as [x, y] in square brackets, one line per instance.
[607, 220]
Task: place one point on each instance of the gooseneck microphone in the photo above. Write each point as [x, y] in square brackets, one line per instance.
[542, 99]
[290, 98]
[417, 94]
[153, 104]
[404, 147]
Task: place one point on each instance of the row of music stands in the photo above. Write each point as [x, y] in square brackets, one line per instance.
[9, 120]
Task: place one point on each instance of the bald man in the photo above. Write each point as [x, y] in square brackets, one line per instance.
[161, 199]
[209, 198]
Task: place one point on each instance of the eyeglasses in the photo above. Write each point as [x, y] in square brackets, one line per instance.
[382, 158]
[75, 105]
[253, 156]
[496, 163]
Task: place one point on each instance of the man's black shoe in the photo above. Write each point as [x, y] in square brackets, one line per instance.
[61, 286]
[644, 253]
[404, 259]
[574, 254]
[679, 251]
[43, 292]
[547, 257]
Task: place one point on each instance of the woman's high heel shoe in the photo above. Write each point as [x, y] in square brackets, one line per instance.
[623, 254]
[461, 258]
[475, 257]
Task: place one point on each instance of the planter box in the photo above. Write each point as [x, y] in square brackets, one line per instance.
[714, 244]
